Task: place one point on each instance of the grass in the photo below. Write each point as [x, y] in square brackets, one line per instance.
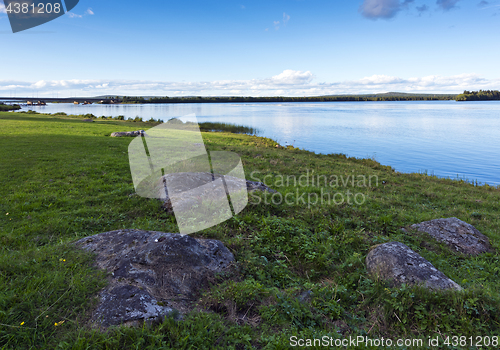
[227, 127]
[214, 127]
[63, 179]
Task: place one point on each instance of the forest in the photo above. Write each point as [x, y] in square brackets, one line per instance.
[481, 95]
[334, 98]
[4, 107]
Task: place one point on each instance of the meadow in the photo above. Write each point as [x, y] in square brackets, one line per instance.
[300, 266]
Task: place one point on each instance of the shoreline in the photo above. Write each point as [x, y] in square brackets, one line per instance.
[228, 127]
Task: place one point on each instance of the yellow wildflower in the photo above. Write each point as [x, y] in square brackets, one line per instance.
[58, 323]
[22, 323]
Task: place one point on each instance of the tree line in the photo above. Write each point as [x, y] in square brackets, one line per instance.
[346, 98]
[4, 107]
[481, 95]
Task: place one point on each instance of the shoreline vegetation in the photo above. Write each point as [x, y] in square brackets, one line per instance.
[390, 96]
[299, 270]
[204, 126]
[4, 107]
[481, 95]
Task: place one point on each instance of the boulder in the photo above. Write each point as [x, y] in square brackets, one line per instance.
[456, 234]
[128, 133]
[398, 264]
[192, 180]
[258, 186]
[152, 274]
[88, 120]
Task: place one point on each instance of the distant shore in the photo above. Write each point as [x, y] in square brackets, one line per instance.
[481, 95]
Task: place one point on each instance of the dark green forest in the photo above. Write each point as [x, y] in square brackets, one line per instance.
[481, 95]
[4, 107]
[335, 98]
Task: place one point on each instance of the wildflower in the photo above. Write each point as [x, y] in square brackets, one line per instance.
[7, 214]
[58, 323]
[22, 323]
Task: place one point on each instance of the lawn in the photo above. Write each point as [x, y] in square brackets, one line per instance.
[63, 179]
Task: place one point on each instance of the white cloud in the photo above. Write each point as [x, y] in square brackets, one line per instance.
[375, 9]
[2, 8]
[380, 79]
[290, 77]
[286, 18]
[287, 83]
[88, 12]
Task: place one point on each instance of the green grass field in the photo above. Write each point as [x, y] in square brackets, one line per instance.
[63, 179]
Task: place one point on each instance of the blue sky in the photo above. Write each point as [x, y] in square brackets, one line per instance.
[256, 48]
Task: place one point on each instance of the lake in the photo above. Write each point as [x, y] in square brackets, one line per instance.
[444, 138]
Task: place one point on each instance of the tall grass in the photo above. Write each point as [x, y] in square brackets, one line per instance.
[227, 127]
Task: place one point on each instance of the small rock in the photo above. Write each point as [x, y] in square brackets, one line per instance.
[305, 297]
[456, 234]
[258, 186]
[129, 305]
[397, 263]
[128, 133]
[150, 270]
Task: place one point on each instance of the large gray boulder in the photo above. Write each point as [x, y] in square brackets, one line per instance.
[456, 234]
[152, 274]
[128, 133]
[190, 180]
[398, 264]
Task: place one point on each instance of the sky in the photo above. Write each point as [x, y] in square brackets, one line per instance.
[254, 48]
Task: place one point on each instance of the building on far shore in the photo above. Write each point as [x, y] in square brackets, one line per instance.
[36, 103]
[109, 102]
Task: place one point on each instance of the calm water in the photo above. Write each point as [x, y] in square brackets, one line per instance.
[444, 138]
